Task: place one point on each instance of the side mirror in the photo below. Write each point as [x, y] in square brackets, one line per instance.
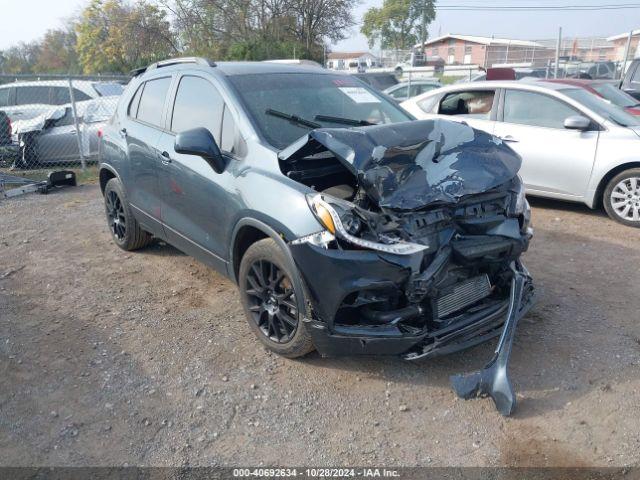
[199, 141]
[577, 122]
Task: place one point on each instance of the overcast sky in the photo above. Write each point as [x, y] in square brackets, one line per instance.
[25, 20]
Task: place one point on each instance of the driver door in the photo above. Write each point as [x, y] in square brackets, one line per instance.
[194, 197]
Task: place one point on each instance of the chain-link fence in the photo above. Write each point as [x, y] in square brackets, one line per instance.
[54, 121]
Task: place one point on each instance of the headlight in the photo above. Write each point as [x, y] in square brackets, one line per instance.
[338, 218]
[522, 205]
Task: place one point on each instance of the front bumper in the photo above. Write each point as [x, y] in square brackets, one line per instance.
[336, 277]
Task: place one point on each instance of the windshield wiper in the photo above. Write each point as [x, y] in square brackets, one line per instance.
[346, 121]
[292, 118]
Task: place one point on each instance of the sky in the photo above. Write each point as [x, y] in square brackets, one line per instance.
[26, 20]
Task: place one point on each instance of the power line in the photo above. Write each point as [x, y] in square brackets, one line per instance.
[521, 8]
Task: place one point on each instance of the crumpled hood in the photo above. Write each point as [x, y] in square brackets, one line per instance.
[411, 165]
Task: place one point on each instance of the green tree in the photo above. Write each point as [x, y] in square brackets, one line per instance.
[398, 24]
[21, 58]
[115, 36]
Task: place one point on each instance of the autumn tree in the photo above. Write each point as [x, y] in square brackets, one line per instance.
[115, 36]
[398, 24]
[58, 52]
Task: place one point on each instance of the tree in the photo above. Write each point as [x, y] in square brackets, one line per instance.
[114, 36]
[21, 58]
[398, 24]
[259, 29]
[58, 52]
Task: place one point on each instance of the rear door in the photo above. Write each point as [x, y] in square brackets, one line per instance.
[476, 107]
[195, 197]
[142, 130]
[555, 160]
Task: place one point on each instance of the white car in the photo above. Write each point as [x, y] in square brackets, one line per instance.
[27, 100]
[574, 145]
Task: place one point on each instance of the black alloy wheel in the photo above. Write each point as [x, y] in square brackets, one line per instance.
[272, 301]
[115, 215]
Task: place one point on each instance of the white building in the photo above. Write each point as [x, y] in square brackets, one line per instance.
[353, 61]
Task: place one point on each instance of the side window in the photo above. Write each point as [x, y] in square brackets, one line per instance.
[132, 111]
[535, 109]
[636, 75]
[229, 132]
[4, 97]
[400, 92]
[428, 104]
[66, 120]
[474, 104]
[197, 104]
[60, 95]
[80, 96]
[30, 95]
[152, 101]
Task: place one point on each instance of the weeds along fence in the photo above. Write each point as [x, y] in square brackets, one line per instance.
[53, 121]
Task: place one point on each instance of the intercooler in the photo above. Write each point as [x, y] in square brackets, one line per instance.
[462, 295]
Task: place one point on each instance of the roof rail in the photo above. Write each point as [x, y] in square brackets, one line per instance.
[173, 61]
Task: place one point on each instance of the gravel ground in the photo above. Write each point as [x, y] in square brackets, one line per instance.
[113, 358]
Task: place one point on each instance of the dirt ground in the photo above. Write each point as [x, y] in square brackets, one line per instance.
[114, 358]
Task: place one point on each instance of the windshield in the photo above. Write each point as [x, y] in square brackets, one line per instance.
[108, 89]
[312, 98]
[601, 107]
[615, 95]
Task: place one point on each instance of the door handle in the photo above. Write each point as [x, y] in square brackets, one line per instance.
[508, 138]
[73, 132]
[166, 159]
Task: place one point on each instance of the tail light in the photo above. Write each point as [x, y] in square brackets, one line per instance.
[100, 133]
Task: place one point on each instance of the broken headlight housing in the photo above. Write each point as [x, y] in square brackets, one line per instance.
[339, 218]
[521, 205]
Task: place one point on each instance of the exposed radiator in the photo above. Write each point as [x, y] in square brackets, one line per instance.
[463, 294]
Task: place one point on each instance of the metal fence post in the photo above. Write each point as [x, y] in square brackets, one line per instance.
[558, 46]
[626, 54]
[83, 162]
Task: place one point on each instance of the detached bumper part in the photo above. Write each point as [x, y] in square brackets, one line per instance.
[493, 379]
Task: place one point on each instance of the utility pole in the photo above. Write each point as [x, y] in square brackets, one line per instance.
[626, 54]
[558, 45]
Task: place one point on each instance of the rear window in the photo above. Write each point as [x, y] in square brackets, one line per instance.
[152, 101]
[108, 89]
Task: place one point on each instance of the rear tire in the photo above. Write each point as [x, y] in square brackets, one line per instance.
[274, 300]
[621, 198]
[125, 229]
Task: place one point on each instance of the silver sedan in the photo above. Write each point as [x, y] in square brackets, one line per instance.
[574, 145]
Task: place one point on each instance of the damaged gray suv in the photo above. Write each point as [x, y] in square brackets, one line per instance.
[349, 227]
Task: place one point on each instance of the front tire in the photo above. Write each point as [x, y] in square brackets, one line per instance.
[273, 299]
[621, 198]
[124, 228]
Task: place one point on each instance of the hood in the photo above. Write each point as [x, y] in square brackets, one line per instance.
[410, 165]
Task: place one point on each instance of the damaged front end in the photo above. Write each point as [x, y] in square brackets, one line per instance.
[424, 224]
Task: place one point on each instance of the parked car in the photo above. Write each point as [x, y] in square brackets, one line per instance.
[631, 81]
[348, 227]
[606, 90]
[405, 90]
[53, 137]
[27, 100]
[8, 149]
[379, 81]
[574, 145]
